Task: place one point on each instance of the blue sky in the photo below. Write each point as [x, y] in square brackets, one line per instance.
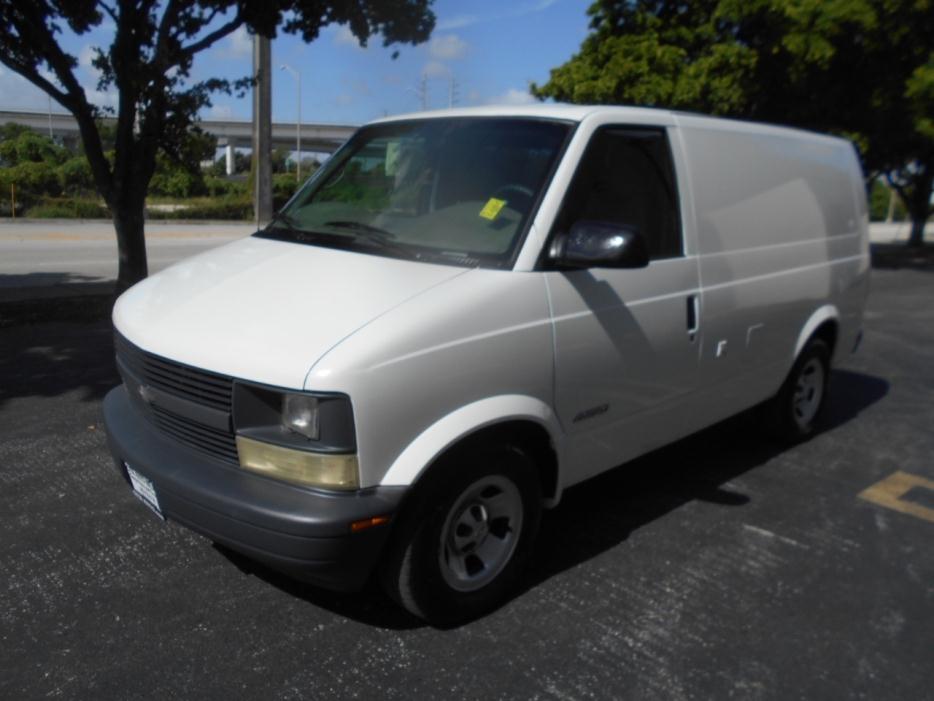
[492, 49]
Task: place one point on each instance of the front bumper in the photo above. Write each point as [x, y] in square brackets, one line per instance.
[302, 532]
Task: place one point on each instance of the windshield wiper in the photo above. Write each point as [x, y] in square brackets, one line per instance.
[360, 227]
[287, 222]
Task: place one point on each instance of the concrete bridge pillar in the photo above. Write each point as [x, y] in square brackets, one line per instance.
[231, 166]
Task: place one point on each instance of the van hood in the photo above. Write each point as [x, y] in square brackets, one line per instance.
[265, 310]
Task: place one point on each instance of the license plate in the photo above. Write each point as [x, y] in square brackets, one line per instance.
[144, 490]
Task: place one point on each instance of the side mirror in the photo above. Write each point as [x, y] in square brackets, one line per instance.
[594, 244]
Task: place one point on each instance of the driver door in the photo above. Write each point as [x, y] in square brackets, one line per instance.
[626, 340]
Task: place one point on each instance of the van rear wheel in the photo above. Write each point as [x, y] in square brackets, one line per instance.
[793, 413]
[460, 548]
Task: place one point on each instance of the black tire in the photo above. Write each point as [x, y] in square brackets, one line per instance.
[792, 414]
[422, 569]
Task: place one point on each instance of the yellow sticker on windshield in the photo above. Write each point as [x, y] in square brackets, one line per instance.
[492, 208]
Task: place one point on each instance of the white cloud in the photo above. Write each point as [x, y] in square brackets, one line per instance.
[527, 8]
[86, 61]
[436, 69]
[102, 98]
[447, 47]
[239, 44]
[86, 56]
[512, 97]
[20, 94]
[219, 112]
[343, 100]
[344, 37]
[456, 22]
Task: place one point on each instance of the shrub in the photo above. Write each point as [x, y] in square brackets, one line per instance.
[68, 208]
[30, 147]
[176, 183]
[75, 176]
[32, 179]
[217, 186]
[229, 208]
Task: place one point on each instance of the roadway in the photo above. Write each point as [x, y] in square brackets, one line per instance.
[42, 258]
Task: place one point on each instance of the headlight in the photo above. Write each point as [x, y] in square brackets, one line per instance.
[300, 414]
[301, 437]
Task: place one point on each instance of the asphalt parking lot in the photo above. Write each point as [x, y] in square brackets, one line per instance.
[720, 567]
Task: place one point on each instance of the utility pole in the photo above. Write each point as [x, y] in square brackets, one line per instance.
[423, 91]
[50, 117]
[298, 124]
[452, 92]
[262, 131]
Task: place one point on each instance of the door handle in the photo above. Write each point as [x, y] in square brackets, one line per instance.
[693, 308]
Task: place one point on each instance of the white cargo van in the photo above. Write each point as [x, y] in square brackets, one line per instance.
[465, 312]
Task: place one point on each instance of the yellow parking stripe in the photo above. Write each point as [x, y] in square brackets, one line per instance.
[889, 493]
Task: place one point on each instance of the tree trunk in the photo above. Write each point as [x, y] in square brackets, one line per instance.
[919, 208]
[916, 239]
[128, 214]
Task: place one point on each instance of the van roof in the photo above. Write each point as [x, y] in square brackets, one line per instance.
[577, 113]
[548, 110]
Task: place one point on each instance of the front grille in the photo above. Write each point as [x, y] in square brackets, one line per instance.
[143, 370]
[203, 438]
[199, 386]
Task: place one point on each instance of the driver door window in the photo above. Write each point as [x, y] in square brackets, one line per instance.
[626, 178]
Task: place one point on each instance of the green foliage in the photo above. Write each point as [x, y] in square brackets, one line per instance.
[31, 179]
[11, 130]
[75, 176]
[176, 182]
[284, 185]
[229, 208]
[860, 68]
[879, 197]
[657, 54]
[218, 186]
[68, 208]
[280, 160]
[26, 146]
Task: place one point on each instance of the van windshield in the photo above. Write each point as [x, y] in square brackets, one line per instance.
[452, 190]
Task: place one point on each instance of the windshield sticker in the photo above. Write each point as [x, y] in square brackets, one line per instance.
[492, 208]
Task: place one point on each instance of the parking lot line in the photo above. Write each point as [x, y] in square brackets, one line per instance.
[891, 492]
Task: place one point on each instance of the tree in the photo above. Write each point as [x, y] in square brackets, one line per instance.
[149, 64]
[860, 68]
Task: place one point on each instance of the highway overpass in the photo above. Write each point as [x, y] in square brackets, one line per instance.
[316, 138]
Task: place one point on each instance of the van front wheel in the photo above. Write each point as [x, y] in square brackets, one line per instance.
[461, 547]
[793, 413]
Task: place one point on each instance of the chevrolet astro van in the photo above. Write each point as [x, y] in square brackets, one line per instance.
[463, 313]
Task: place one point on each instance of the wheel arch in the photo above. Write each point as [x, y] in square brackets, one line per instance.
[525, 422]
[824, 323]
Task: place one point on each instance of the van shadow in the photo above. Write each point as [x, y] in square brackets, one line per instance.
[601, 513]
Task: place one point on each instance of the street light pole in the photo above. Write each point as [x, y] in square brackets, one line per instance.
[298, 124]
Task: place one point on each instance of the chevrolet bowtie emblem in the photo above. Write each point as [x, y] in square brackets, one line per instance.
[145, 394]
